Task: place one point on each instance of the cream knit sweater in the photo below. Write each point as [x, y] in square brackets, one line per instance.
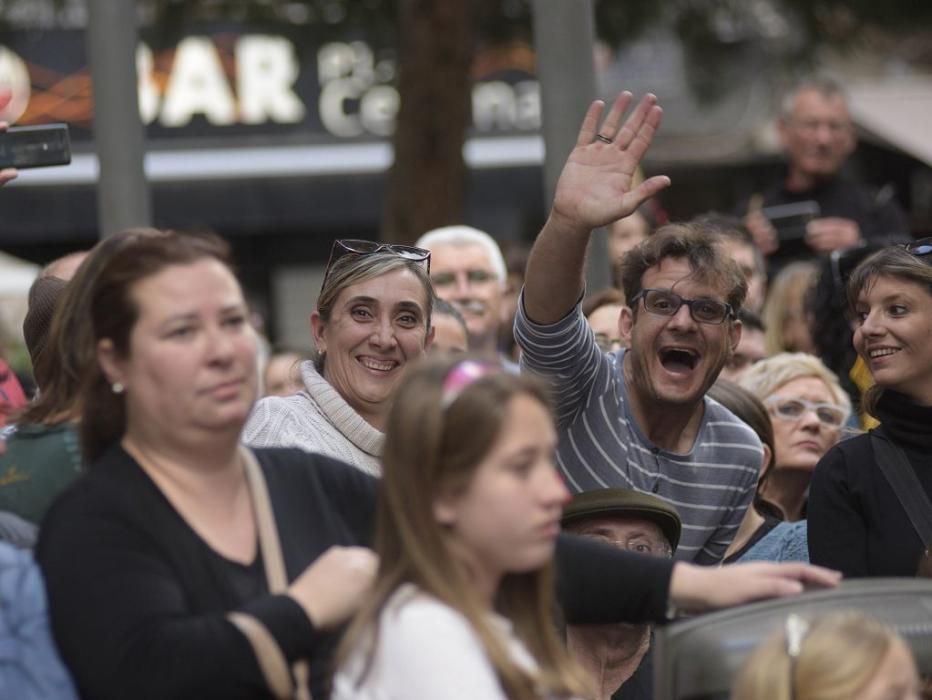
[316, 419]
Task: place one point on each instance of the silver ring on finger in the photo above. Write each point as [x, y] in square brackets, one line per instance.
[603, 138]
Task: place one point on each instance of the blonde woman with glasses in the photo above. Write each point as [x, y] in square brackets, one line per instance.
[809, 410]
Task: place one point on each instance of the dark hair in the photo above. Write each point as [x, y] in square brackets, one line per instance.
[897, 262]
[733, 228]
[604, 297]
[744, 404]
[751, 321]
[444, 308]
[70, 349]
[700, 246]
[113, 314]
[829, 317]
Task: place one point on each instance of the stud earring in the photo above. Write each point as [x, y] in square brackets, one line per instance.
[117, 388]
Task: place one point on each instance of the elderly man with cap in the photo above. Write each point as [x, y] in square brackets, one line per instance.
[617, 656]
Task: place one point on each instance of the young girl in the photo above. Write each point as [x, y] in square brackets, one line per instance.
[467, 523]
[840, 656]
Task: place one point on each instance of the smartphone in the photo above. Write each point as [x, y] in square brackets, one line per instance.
[790, 219]
[35, 146]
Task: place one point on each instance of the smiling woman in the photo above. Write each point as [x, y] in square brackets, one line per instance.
[857, 523]
[372, 318]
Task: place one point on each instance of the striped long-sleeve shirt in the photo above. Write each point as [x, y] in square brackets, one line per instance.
[601, 446]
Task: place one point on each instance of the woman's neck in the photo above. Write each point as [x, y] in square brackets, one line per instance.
[786, 488]
[212, 495]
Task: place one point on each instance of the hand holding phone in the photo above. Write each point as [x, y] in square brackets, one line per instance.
[35, 146]
[791, 220]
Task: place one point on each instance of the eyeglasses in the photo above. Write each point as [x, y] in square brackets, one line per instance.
[919, 248]
[638, 545]
[356, 246]
[663, 302]
[793, 409]
[607, 344]
[445, 279]
[461, 376]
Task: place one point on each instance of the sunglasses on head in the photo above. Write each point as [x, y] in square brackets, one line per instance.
[919, 248]
[355, 246]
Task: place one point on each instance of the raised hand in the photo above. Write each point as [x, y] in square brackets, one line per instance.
[595, 187]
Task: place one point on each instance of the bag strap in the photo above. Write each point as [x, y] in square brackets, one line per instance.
[274, 562]
[896, 467]
[269, 544]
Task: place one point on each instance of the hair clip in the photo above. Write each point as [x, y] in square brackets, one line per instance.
[461, 376]
[796, 628]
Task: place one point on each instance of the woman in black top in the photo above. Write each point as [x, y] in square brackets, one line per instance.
[856, 521]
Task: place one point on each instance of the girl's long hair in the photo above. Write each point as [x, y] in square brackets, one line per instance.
[432, 449]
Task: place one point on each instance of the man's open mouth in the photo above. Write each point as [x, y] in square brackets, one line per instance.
[679, 359]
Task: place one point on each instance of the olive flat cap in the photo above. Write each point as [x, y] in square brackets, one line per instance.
[625, 503]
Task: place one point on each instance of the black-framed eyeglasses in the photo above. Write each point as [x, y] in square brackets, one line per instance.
[663, 302]
[356, 246]
[919, 248]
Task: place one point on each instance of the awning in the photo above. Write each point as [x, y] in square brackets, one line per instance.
[897, 110]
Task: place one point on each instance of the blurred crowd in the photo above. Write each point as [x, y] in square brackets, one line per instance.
[473, 441]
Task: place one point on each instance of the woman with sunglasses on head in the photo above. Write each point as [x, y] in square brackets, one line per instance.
[372, 318]
[857, 523]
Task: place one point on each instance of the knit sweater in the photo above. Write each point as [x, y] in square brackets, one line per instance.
[316, 419]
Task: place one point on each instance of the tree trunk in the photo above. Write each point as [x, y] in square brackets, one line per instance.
[426, 183]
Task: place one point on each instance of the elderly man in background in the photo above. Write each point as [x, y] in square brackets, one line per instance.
[467, 269]
[617, 656]
[814, 209]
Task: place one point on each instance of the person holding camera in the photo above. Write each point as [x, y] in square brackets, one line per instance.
[814, 209]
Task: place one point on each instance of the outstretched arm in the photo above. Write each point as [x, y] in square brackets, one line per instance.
[594, 189]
